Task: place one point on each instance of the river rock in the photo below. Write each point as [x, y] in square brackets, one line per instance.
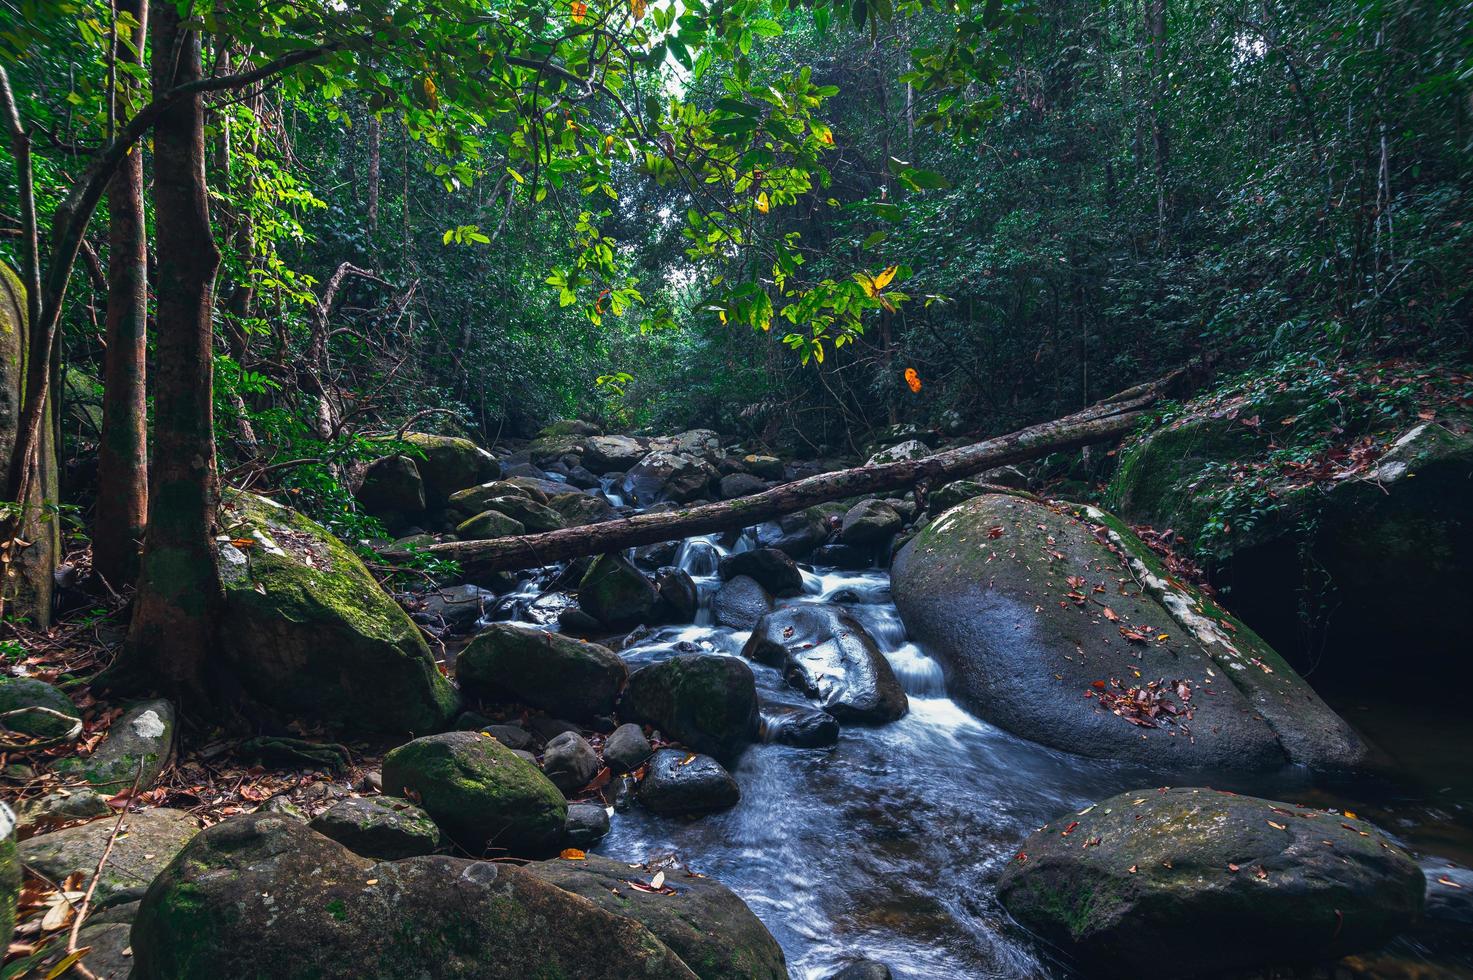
[18, 693]
[456, 608]
[510, 661]
[512, 736]
[767, 467]
[675, 782]
[534, 517]
[149, 841]
[735, 485]
[739, 603]
[570, 762]
[805, 728]
[626, 748]
[826, 653]
[869, 522]
[264, 896]
[1210, 882]
[666, 476]
[588, 823]
[910, 449]
[382, 827]
[450, 463]
[614, 592]
[1043, 620]
[605, 454]
[489, 524]
[679, 599]
[864, 970]
[706, 701]
[796, 534]
[472, 500]
[845, 556]
[392, 489]
[42, 813]
[137, 747]
[704, 921]
[479, 792]
[310, 635]
[577, 508]
[702, 444]
[770, 567]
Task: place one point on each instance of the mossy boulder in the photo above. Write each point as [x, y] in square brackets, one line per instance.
[1210, 883]
[614, 592]
[472, 500]
[577, 508]
[705, 922]
[488, 524]
[568, 677]
[309, 635]
[706, 701]
[869, 522]
[263, 896]
[392, 489]
[1059, 626]
[552, 448]
[534, 517]
[10, 874]
[480, 792]
[450, 463]
[148, 842]
[137, 747]
[382, 827]
[26, 694]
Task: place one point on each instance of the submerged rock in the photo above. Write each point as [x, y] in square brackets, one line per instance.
[1062, 630]
[1210, 882]
[382, 827]
[806, 728]
[509, 661]
[310, 635]
[711, 929]
[677, 782]
[706, 701]
[826, 653]
[264, 896]
[479, 792]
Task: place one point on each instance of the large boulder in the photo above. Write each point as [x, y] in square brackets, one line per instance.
[679, 782]
[577, 508]
[479, 792]
[699, 443]
[450, 463]
[826, 653]
[392, 489]
[769, 567]
[1210, 883]
[1064, 630]
[382, 827]
[668, 476]
[795, 534]
[739, 603]
[706, 701]
[472, 500]
[489, 524]
[869, 522]
[614, 592]
[511, 662]
[606, 454]
[264, 896]
[710, 928]
[137, 747]
[39, 710]
[767, 467]
[534, 517]
[309, 635]
[148, 841]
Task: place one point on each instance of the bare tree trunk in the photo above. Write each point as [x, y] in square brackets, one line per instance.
[1107, 420]
[1156, 25]
[375, 132]
[179, 589]
[122, 454]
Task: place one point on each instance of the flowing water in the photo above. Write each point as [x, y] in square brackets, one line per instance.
[889, 845]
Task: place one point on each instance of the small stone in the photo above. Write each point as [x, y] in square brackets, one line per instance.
[626, 748]
[570, 762]
[588, 823]
[381, 827]
[682, 782]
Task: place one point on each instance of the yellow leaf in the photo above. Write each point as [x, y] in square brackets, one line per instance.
[67, 962]
[1277, 826]
[637, 7]
[885, 277]
[722, 314]
[1349, 813]
[762, 203]
[572, 854]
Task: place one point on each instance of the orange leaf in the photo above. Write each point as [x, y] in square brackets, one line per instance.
[579, 10]
[912, 376]
[572, 854]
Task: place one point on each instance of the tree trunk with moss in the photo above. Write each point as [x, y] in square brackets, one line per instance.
[180, 595]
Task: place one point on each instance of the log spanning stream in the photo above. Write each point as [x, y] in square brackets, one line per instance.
[888, 846]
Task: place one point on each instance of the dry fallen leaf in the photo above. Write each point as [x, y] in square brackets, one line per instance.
[573, 854]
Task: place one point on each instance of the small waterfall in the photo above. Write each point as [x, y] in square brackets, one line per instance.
[918, 673]
[699, 556]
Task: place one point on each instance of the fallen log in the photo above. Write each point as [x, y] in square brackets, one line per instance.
[1102, 421]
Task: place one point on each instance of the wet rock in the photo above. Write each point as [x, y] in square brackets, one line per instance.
[845, 556]
[1028, 649]
[666, 476]
[26, 696]
[741, 485]
[679, 600]
[805, 728]
[703, 921]
[489, 524]
[149, 841]
[450, 463]
[796, 534]
[706, 701]
[588, 823]
[864, 970]
[392, 489]
[739, 603]
[479, 792]
[583, 478]
[674, 785]
[382, 827]
[826, 653]
[869, 522]
[1210, 882]
[657, 555]
[605, 454]
[507, 661]
[330, 913]
[767, 467]
[769, 567]
[456, 608]
[626, 748]
[614, 592]
[309, 635]
[910, 449]
[137, 747]
[575, 622]
[570, 762]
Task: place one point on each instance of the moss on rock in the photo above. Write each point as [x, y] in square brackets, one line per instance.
[569, 677]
